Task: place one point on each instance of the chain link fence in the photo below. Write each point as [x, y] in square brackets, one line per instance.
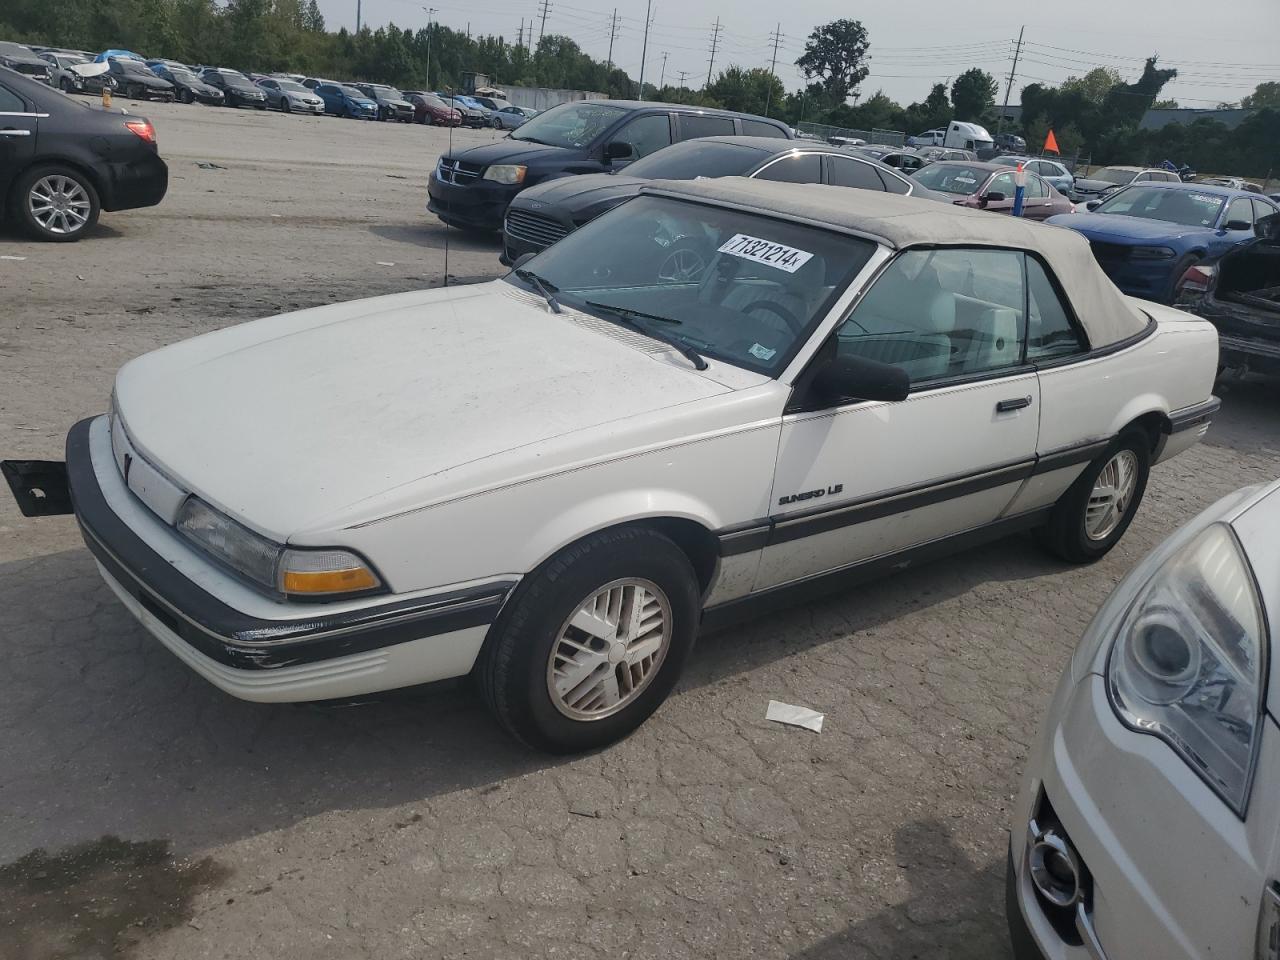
[825, 131]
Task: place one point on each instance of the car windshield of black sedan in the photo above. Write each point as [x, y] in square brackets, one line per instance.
[736, 286]
[696, 158]
[131, 66]
[1189, 208]
[238, 83]
[570, 124]
[951, 178]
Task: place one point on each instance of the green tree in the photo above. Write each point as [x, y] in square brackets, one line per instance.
[746, 90]
[973, 93]
[313, 19]
[1165, 105]
[1094, 85]
[1264, 95]
[836, 53]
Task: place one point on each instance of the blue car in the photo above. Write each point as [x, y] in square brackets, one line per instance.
[343, 101]
[1148, 235]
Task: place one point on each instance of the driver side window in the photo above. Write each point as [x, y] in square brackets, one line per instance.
[646, 134]
[941, 313]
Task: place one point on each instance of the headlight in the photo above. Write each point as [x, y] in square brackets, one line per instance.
[506, 173]
[296, 573]
[1152, 253]
[1188, 661]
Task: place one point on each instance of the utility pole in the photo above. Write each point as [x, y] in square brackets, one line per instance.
[546, 8]
[1017, 52]
[662, 80]
[715, 42]
[644, 47]
[520, 35]
[430, 12]
[357, 16]
[773, 66]
[613, 32]
[683, 74]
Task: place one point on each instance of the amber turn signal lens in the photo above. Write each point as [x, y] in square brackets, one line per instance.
[329, 581]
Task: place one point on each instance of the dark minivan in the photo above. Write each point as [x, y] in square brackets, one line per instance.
[471, 189]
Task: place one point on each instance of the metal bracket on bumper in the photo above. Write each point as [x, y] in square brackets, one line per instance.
[39, 486]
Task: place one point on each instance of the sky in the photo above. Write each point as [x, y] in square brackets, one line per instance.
[1221, 55]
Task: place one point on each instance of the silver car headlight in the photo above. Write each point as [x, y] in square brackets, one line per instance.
[1188, 662]
[296, 573]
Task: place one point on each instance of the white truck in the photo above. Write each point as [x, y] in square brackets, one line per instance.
[967, 136]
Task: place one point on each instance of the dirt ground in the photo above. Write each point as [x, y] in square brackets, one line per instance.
[145, 814]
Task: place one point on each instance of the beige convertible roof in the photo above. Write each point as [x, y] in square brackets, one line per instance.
[899, 222]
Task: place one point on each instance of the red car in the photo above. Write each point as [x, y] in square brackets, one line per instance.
[430, 109]
[989, 186]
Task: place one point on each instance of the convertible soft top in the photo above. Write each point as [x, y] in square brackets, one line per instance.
[899, 222]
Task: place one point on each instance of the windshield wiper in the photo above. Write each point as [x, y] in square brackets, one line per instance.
[544, 288]
[632, 318]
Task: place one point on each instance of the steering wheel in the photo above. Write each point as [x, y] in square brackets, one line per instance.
[789, 318]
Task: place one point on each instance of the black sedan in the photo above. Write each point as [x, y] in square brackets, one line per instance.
[135, 80]
[237, 89]
[62, 162]
[544, 213]
[189, 87]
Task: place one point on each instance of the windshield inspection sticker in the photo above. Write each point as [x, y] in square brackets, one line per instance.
[761, 353]
[776, 255]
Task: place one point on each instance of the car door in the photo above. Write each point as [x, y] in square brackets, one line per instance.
[865, 479]
[645, 134]
[18, 127]
[1037, 202]
[1001, 183]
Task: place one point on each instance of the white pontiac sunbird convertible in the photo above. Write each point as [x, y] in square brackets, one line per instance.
[719, 395]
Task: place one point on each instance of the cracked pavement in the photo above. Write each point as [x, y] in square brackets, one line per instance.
[409, 826]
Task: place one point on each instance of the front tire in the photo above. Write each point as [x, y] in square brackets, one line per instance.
[186, 96]
[1091, 517]
[593, 641]
[284, 105]
[57, 204]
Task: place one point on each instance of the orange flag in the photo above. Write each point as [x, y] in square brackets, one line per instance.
[1051, 143]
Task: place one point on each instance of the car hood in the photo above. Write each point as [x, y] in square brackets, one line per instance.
[291, 421]
[147, 80]
[1096, 186]
[509, 150]
[1117, 228]
[575, 193]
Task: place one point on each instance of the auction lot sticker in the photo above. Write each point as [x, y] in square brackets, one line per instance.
[776, 255]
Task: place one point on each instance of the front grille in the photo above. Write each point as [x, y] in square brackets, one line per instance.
[534, 228]
[456, 171]
[1109, 251]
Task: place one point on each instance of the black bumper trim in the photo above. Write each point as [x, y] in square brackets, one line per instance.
[1189, 417]
[1020, 936]
[237, 639]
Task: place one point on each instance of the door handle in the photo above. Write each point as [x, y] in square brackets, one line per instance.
[1017, 403]
[11, 132]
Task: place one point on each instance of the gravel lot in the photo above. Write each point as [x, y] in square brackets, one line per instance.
[409, 826]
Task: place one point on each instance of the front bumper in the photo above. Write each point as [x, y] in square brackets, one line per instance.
[1152, 836]
[301, 651]
[478, 205]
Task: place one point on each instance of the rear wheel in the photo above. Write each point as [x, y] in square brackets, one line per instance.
[56, 203]
[1092, 516]
[593, 641]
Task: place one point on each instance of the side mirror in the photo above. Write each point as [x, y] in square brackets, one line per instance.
[1093, 205]
[1238, 225]
[619, 150]
[856, 378]
[992, 196]
[522, 260]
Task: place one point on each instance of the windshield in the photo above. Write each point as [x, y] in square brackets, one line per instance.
[953, 178]
[353, 93]
[696, 158]
[292, 87]
[71, 61]
[1185, 207]
[570, 124]
[132, 66]
[435, 102]
[186, 76]
[740, 287]
[1114, 175]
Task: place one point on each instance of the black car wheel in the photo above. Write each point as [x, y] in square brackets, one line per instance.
[592, 641]
[284, 105]
[186, 96]
[133, 92]
[56, 203]
[497, 124]
[66, 85]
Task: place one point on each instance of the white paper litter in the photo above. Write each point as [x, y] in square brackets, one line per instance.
[8, 257]
[384, 263]
[793, 715]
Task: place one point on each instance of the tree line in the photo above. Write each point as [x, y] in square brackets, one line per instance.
[1096, 115]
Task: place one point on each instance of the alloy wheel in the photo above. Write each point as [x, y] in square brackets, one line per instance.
[610, 649]
[1111, 495]
[59, 204]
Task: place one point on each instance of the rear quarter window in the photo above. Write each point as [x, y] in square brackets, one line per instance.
[758, 128]
[692, 125]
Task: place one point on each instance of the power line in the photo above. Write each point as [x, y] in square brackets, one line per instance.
[715, 39]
